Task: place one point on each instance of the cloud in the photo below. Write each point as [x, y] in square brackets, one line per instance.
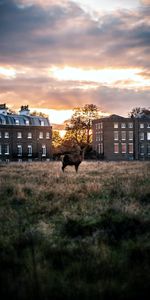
[66, 35]
[146, 2]
[36, 35]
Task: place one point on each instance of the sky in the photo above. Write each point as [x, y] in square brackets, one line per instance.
[56, 55]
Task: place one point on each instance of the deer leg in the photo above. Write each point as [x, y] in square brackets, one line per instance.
[76, 168]
[63, 167]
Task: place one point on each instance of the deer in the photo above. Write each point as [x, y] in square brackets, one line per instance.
[73, 159]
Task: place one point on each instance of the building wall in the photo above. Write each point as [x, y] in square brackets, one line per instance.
[25, 137]
[126, 139]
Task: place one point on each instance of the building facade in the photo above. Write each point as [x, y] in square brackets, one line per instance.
[23, 136]
[119, 138]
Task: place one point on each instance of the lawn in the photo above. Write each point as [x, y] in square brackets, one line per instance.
[75, 236]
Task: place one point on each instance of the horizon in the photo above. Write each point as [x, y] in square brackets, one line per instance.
[59, 55]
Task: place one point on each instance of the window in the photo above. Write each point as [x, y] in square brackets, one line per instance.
[97, 137]
[0, 149]
[148, 125]
[123, 148]
[47, 135]
[141, 136]
[100, 148]
[19, 150]
[42, 122]
[6, 149]
[29, 135]
[0, 134]
[3, 121]
[19, 135]
[116, 148]
[123, 125]
[148, 149]
[115, 125]
[6, 135]
[43, 150]
[123, 135]
[130, 125]
[17, 122]
[130, 135]
[141, 149]
[29, 150]
[27, 122]
[141, 125]
[148, 136]
[116, 135]
[130, 148]
[40, 135]
[101, 125]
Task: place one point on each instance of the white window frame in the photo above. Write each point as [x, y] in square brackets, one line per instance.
[100, 148]
[42, 122]
[6, 135]
[116, 135]
[141, 136]
[116, 148]
[19, 153]
[16, 121]
[130, 135]
[130, 125]
[29, 150]
[19, 135]
[0, 135]
[141, 147]
[43, 150]
[7, 149]
[27, 122]
[3, 122]
[130, 148]
[123, 135]
[141, 125]
[148, 136]
[123, 125]
[29, 135]
[122, 150]
[47, 135]
[116, 125]
[148, 149]
[41, 135]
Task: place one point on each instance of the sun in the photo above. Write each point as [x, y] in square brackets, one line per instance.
[56, 116]
[7, 73]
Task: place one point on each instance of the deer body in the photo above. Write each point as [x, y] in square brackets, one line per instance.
[72, 160]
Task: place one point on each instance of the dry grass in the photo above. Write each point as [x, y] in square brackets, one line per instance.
[59, 229]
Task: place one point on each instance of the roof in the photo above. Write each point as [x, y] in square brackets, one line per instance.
[14, 119]
[111, 118]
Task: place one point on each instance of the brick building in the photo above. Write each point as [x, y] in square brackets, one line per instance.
[23, 136]
[119, 138]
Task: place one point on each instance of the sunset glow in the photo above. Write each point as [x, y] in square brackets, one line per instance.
[105, 76]
[54, 115]
[59, 54]
[7, 73]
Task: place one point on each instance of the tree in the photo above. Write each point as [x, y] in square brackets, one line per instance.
[80, 125]
[39, 114]
[136, 111]
[56, 140]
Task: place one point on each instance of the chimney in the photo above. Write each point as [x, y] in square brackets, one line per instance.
[3, 109]
[24, 110]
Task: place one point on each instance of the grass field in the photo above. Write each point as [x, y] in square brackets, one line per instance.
[75, 236]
